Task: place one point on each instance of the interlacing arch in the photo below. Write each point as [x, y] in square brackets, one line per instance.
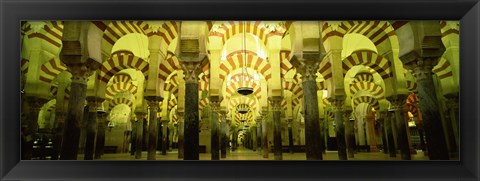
[370, 100]
[235, 60]
[226, 30]
[443, 69]
[235, 82]
[168, 66]
[116, 30]
[369, 59]
[50, 69]
[412, 102]
[121, 60]
[168, 30]
[120, 100]
[370, 87]
[121, 83]
[51, 32]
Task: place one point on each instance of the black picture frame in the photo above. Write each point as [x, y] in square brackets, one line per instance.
[13, 11]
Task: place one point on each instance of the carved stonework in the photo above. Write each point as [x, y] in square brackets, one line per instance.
[94, 103]
[307, 68]
[337, 105]
[398, 103]
[452, 102]
[80, 73]
[153, 102]
[191, 71]
[276, 103]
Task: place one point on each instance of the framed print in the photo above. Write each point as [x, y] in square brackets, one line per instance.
[239, 90]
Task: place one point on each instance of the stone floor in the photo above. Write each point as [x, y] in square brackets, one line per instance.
[246, 154]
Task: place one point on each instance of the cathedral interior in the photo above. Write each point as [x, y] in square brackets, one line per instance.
[240, 90]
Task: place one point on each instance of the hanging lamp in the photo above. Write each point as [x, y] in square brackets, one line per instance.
[242, 108]
[244, 90]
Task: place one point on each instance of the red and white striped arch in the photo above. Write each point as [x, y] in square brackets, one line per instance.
[370, 100]
[116, 30]
[443, 69]
[50, 69]
[168, 30]
[369, 59]
[376, 31]
[235, 60]
[120, 87]
[370, 87]
[235, 82]
[121, 60]
[229, 29]
[120, 100]
[168, 66]
[51, 33]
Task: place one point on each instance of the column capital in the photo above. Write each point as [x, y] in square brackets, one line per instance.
[153, 101]
[94, 103]
[397, 102]
[215, 103]
[36, 103]
[337, 104]
[81, 71]
[307, 67]
[421, 67]
[192, 69]
[276, 103]
[452, 102]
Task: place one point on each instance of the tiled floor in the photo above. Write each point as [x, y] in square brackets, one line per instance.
[245, 154]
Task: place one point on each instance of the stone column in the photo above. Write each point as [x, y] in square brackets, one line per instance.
[389, 126]
[71, 139]
[214, 129]
[265, 134]
[290, 135]
[422, 70]
[57, 142]
[191, 145]
[340, 128]
[35, 104]
[153, 106]
[100, 140]
[180, 134]
[349, 133]
[164, 126]
[93, 104]
[452, 106]
[254, 138]
[277, 127]
[224, 135]
[308, 69]
[259, 134]
[138, 142]
[371, 132]
[398, 106]
[381, 121]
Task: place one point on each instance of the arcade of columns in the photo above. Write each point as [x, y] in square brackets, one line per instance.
[315, 84]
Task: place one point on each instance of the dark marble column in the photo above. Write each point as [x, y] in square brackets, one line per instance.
[100, 140]
[277, 127]
[191, 145]
[164, 126]
[290, 136]
[91, 126]
[35, 104]
[313, 140]
[371, 132]
[400, 125]
[71, 139]
[381, 121]
[349, 134]
[180, 134]
[452, 106]
[259, 135]
[389, 126]
[139, 126]
[153, 106]
[57, 142]
[436, 143]
[223, 135]
[340, 128]
[264, 135]
[254, 138]
[214, 129]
